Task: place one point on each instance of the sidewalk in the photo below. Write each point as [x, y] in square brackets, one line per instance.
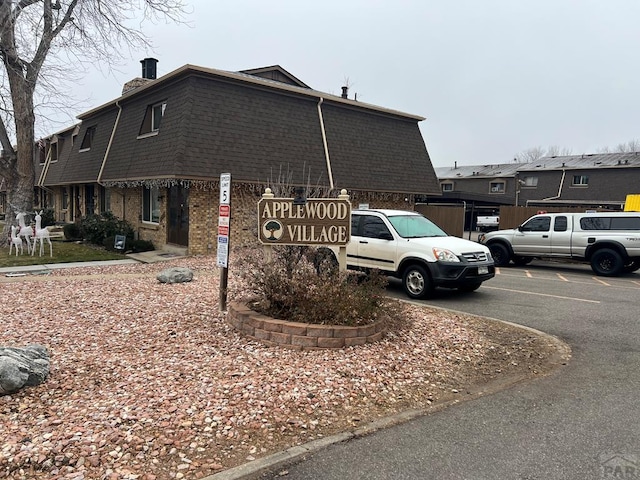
[46, 268]
[132, 258]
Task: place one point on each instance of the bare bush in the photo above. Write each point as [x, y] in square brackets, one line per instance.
[301, 285]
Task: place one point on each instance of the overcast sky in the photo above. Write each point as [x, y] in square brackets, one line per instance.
[493, 77]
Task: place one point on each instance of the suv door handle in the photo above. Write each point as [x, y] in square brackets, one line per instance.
[363, 241]
[545, 236]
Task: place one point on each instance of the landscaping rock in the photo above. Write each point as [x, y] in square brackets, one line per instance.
[22, 367]
[175, 275]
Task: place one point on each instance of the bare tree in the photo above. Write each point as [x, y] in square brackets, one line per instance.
[630, 146]
[37, 37]
[556, 151]
[530, 155]
[536, 153]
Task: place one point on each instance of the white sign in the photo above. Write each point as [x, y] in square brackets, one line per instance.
[223, 250]
[225, 188]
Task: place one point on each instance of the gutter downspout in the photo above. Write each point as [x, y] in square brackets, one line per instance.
[45, 168]
[106, 153]
[564, 173]
[324, 143]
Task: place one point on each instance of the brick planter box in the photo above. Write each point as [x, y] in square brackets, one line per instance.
[299, 336]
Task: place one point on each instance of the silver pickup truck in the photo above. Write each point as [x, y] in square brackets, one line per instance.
[609, 241]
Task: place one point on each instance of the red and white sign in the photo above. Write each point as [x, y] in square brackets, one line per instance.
[224, 210]
[223, 230]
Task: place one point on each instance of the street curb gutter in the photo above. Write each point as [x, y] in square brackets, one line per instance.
[253, 469]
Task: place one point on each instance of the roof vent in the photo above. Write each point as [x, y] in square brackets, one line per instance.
[149, 68]
[345, 90]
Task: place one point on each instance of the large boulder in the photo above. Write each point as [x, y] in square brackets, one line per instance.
[175, 275]
[22, 367]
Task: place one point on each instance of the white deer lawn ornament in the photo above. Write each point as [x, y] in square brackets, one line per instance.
[42, 234]
[25, 231]
[15, 241]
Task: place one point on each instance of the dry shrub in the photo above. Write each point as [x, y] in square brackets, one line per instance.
[301, 284]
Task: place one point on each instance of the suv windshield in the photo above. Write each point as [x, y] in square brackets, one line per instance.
[415, 226]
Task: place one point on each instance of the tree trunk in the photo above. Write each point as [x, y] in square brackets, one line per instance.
[20, 180]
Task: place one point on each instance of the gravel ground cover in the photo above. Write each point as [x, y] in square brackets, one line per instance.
[148, 381]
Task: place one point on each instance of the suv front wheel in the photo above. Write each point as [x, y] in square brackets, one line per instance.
[416, 282]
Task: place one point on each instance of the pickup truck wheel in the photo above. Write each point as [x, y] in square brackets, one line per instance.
[416, 282]
[522, 261]
[632, 267]
[607, 263]
[500, 254]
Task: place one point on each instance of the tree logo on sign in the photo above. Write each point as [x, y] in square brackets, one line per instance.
[272, 229]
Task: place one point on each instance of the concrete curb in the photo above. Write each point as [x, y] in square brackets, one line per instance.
[253, 469]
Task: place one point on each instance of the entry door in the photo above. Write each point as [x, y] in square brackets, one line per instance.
[178, 206]
[89, 200]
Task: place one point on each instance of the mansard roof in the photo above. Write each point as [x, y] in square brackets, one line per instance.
[258, 129]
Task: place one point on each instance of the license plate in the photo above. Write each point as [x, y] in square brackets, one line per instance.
[483, 270]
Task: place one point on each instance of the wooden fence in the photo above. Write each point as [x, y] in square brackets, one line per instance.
[452, 218]
[448, 218]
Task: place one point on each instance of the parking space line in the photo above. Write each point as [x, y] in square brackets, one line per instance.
[636, 282]
[562, 277]
[601, 281]
[528, 273]
[542, 294]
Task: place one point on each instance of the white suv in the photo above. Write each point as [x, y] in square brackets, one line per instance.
[407, 245]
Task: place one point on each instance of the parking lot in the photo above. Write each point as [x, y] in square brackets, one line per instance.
[580, 422]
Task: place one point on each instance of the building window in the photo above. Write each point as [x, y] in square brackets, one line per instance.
[496, 187]
[447, 186]
[56, 146]
[580, 180]
[152, 118]
[530, 182]
[105, 200]
[42, 151]
[87, 141]
[150, 205]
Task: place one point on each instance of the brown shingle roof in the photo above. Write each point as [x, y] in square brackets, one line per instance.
[255, 129]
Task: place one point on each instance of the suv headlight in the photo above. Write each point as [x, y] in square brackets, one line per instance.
[444, 255]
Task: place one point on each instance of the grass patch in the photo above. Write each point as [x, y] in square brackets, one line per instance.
[63, 252]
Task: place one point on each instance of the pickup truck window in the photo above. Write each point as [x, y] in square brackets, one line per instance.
[610, 223]
[537, 224]
[560, 224]
[415, 226]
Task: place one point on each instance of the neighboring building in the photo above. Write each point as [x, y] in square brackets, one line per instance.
[154, 155]
[480, 189]
[584, 181]
[600, 180]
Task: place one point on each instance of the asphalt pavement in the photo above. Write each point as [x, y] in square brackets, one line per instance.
[582, 422]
